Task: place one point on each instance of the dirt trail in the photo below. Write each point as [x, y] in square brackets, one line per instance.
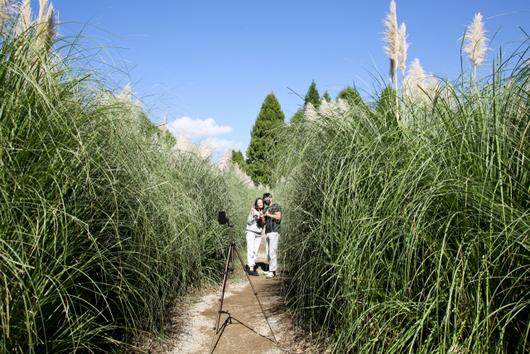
[196, 331]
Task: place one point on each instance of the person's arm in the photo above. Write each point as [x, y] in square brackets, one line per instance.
[277, 215]
[251, 217]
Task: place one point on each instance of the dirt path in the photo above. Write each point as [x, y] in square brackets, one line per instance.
[194, 330]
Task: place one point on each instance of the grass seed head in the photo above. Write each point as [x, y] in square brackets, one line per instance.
[403, 48]
[24, 17]
[476, 41]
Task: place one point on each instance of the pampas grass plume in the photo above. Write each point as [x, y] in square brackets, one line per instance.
[3, 13]
[414, 82]
[43, 7]
[51, 26]
[402, 48]
[24, 19]
[476, 41]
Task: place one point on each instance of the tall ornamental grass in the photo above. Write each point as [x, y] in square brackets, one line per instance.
[413, 235]
[101, 223]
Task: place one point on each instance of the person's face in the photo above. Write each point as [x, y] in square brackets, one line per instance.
[268, 200]
[259, 204]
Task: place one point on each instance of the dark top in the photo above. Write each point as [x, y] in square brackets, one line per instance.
[273, 225]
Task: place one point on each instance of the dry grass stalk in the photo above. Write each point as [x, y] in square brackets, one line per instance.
[392, 40]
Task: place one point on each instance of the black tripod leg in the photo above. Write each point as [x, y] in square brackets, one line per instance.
[255, 294]
[229, 257]
[218, 335]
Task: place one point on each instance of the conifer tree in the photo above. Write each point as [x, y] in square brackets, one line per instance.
[351, 95]
[262, 151]
[298, 116]
[326, 96]
[312, 95]
[238, 159]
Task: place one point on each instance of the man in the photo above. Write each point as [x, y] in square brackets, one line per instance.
[273, 219]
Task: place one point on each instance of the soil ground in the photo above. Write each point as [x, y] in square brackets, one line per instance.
[193, 332]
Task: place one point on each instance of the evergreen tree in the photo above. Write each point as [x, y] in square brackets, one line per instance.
[326, 96]
[352, 96]
[264, 141]
[312, 95]
[298, 116]
[238, 159]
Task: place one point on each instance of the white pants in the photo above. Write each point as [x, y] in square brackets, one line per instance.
[272, 250]
[253, 242]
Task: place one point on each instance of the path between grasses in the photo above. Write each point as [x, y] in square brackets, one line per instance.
[193, 332]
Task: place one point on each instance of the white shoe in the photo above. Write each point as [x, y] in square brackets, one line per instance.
[270, 275]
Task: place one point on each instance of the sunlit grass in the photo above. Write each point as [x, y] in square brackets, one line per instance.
[101, 223]
[414, 236]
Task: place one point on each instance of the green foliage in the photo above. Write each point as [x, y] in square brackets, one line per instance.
[238, 159]
[148, 128]
[386, 106]
[326, 96]
[263, 148]
[352, 96]
[414, 238]
[298, 116]
[312, 96]
[101, 224]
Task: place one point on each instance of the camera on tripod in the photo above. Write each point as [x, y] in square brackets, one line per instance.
[232, 251]
[222, 218]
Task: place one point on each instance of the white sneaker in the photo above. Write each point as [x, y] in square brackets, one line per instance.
[270, 275]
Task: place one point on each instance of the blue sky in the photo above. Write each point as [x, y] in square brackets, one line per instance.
[209, 64]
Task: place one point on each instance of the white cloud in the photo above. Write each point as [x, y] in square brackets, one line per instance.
[193, 128]
[222, 144]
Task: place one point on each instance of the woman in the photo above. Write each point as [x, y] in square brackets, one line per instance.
[253, 231]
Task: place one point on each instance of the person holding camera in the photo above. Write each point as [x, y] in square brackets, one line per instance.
[255, 221]
[273, 219]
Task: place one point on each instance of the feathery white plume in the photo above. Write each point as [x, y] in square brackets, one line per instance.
[476, 41]
[416, 81]
[226, 161]
[183, 144]
[310, 112]
[403, 47]
[418, 85]
[342, 106]
[333, 109]
[43, 11]
[51, 26]
[391, 37]
[24, 17]
[46, 25]
[204, 150]
[126, 93]
[4, 15]
[326, 109]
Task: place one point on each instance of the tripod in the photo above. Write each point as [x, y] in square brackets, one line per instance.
[219, 328]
